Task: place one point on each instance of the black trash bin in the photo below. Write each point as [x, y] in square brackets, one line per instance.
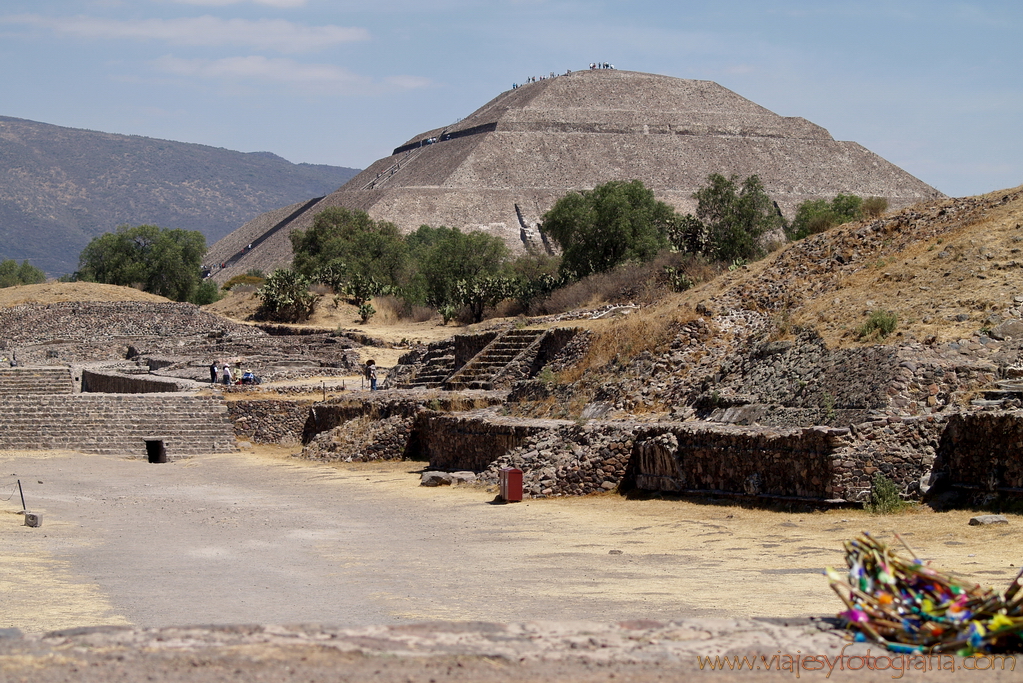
[156, 450]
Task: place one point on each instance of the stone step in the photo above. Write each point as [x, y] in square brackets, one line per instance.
[117, 423]
[35, 380]
[1002, 394]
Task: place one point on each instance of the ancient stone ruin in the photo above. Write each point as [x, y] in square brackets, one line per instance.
[103, 377]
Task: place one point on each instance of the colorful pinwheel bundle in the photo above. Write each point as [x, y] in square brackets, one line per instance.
[909, 607]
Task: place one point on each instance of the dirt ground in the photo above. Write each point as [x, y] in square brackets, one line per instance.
[259, 537]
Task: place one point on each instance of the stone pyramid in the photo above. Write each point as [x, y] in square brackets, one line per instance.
[502, 167]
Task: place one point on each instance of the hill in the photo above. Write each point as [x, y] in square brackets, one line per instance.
[503, 166]
[60, 187]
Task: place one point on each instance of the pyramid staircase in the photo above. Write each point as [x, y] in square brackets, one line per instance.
[41, 380]
[116, 423]
[480, 371]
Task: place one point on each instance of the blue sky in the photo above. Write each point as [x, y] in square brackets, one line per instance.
[934, 87]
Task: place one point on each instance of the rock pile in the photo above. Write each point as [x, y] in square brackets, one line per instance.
[569, 460]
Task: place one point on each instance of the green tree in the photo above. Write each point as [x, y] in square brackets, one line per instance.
[351, 241]
[735, 217]
[817, 215]
[12, 274]
[611, 224]
[535, 277]
[158, 260]
[445, 256]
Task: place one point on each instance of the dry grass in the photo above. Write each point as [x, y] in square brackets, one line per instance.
[931, 282]
[388, 325]
[54, 292]
[625, 337]
[974, 269]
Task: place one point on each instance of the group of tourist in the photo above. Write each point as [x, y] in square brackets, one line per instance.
[222, 373]
[534, 79]
[207, 271]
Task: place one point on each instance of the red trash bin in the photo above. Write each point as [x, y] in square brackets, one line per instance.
[510, 479]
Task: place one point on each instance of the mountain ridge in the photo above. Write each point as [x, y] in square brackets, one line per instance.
[61, 186]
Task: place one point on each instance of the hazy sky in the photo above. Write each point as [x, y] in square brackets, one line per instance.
[934, 87]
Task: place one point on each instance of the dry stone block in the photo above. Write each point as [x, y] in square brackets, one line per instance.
[987, 520]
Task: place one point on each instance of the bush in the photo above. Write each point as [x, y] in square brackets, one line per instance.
[626, 283]
[818, 215]
[884, 497]
[159, 260]
[735, 217]
[677, 279]
[880, 323]
[444, 256]
[480, 293]
[448, 312]
[206, 293]
[243, 280]
[873, 207]
[345, 243]
[366, 311]
[421, 314]
[286, 297]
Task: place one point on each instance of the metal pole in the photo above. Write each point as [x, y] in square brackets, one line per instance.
[23, 508]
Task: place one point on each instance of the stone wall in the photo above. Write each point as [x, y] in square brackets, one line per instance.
[116, 423]
[559, 457]
[565, 458]
[982, 452]
[468, 442]
[325, 416]
[363, 439]
[902, 448]
[108, 383]
[269, 421]
[756, 461]
[468, 345]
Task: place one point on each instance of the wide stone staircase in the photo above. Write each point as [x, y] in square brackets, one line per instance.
[116, 423]
[481, 370]
[438, 365]
[40, 380]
